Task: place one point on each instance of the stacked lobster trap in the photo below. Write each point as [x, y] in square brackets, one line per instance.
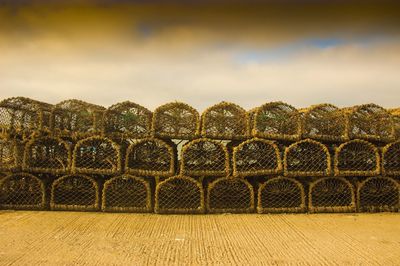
[271, 159]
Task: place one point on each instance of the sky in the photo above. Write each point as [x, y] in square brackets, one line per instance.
[153, 52]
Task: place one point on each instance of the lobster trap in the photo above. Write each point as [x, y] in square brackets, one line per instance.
[307, 158]
[22, 191]
[256, 157]
[150, 157]
[281, 195]
[377, 194]
[96, 155]
[324, 122]
[179, 194]
[396, 122]
[127, 193]
[75, 193]
[10, 154]
[225, 121]
[233, 195]
[357, 158]
[76, 119]
[204, 157]
[176, 121]
[331, 194]
[370, 122]
[391, 159]
[277, 120]
[47, 155]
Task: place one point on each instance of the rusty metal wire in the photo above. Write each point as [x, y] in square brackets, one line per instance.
[391, 159]
[378, 194]
[127, 193]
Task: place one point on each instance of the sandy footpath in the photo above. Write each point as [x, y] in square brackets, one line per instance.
[70, 238]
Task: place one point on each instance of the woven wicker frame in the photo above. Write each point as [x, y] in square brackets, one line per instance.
[54, 205]
[267, 158]
[30, 185]
[226, 121]
[155, 150]
[195, 150]
[127, 183]
[176, 121]
[340, 156]
[332, 191]
[323, 159]
[278, 186]
[230, 192]
[391, 159]
[377, 191]
[172, 190]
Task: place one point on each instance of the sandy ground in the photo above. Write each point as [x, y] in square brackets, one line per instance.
[70, 238]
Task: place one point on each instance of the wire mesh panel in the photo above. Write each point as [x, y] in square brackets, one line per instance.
[280, 195]
[357, 158]
[378, 194]
[179, 194]
[127, 120]
[96, 155]
[307, 158]
[391, 159]
[74, 192]
[8, 154]
[277, 120]
[396, 122]
[256, 157]
[370, 122]
[204, 157]
[22, 191]
[76, 119]
[324, 122]
[234, 195]
[126, 193]
[176, 121]
[47, 155]
[225, 121]
[331, 194]
[150, 157]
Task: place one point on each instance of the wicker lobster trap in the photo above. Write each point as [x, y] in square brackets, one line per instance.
[23, 117]
[127, 120]
[96, 155]
[76, 119]
[391, 159]
[204, 157]
[75, 192]
[324, 122]
[281, 195]
[256, 157]
[370, 122]
[331, 194]
[357, 158]
[378, 194]
[225, 121]
[47, 155]
[227, 194]
[307, 158]
[176, 120]
[277, 120]
[396, 122]
[10, 154]
[127, 193]
[150, 157]
[22, 191]
[179, 194]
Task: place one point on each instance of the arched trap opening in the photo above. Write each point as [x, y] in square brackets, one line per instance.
[391, 159]
[378, 194]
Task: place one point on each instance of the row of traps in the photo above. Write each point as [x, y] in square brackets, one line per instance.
[182, 194]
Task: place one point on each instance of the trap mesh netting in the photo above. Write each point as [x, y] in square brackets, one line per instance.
[150, 157]
[391, 159]
[307, 158]
[230, 195]
[9, 156]
[126, 193]
[74, 192]
[357, 158]
[379, 194]
[331, 194]
[396, 122]
[277, 120]
[256, 157]
[280, 195]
